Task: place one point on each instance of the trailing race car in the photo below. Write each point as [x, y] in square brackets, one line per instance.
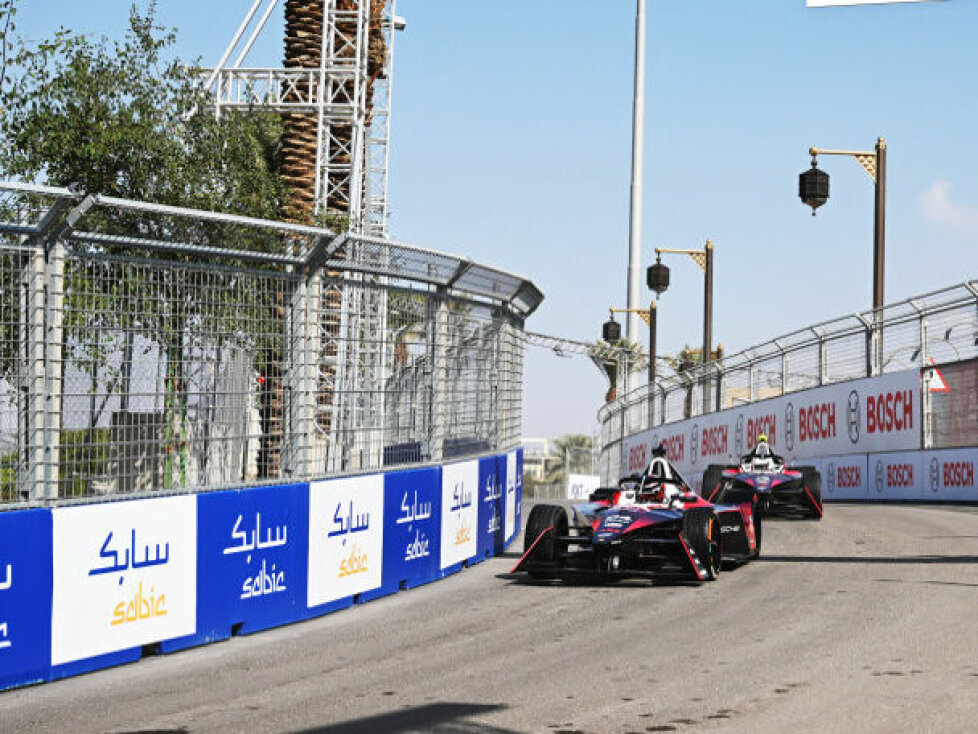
[653, 526]
[780, 491]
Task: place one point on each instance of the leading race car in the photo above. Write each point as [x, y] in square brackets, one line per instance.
[652, 526]
[780, 490]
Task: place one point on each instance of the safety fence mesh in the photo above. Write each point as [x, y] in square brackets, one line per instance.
[148, 349]
[935, 329]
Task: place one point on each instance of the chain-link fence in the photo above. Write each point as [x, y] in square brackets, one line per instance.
[147, 348]
[935, 328]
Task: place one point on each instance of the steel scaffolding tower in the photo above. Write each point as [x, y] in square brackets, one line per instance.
[348, 96]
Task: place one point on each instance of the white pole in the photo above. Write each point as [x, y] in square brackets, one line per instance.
[635, 212]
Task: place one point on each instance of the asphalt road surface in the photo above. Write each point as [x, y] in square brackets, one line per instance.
[865, 622]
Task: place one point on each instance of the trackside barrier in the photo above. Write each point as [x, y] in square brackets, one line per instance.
[90, 586]
[939, 475]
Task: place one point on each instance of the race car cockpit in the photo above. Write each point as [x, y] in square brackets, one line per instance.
[762, 458]
[661, 483]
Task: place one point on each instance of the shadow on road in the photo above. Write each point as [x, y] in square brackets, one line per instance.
[440, 718]
[929, 559]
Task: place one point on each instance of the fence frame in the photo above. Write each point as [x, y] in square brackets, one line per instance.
[878, 337]
[42, 227]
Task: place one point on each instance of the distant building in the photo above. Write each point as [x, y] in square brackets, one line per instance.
[539, 458]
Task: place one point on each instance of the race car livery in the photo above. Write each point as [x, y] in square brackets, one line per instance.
[651, 526]
[780, 491]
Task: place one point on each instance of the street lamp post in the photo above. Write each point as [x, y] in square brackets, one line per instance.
[703, 258]
[638, 148]
[813, 190]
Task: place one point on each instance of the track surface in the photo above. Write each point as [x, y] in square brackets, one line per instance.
[867, 621]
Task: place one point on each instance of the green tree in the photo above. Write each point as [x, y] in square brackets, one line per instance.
[126, 118]
[574, 453]
[118, 118]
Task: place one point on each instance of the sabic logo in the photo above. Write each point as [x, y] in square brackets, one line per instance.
[830, 478]
[693, 443]
[852, 416]
[789, 426]
[935, 475]
[879, 475]
[739, 433]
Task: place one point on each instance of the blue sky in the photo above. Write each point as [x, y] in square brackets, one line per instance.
[512, 135]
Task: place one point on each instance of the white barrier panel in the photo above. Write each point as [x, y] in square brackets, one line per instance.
[896, 476]
[580, 486]
[510, 505]
[873, 414]
[844, 477]
[949, 475]
[346, 537]
[459, 512]
[125, 575]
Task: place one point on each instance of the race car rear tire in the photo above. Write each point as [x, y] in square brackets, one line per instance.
[548, 550]
[711, 481]
[701, 531]
[813, 481]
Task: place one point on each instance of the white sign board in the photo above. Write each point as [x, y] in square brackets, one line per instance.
[860, 416]
[580, 486]
[125, 575]
[836, 3]
[346, 537]
[510, 526]
[459, 512]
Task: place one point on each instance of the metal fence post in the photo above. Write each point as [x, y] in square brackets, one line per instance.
[438, 317]
[299, 456]
[32, 391]
[823, 358]
[54, 343]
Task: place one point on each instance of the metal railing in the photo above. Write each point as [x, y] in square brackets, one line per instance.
[147, 348]
[941, 326]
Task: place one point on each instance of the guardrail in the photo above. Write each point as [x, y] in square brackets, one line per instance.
[148, 349]
[935, 328]
[88, 586]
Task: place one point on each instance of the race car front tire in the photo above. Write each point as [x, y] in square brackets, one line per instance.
[813, 483]
[711, 481]
[701, 531]
[548, 550]
[758, 529]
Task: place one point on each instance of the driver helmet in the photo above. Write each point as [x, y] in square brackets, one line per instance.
[763, 456]
[653, 490]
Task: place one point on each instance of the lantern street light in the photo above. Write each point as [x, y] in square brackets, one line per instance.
[657, 278]
[703, 258]
[813, 190]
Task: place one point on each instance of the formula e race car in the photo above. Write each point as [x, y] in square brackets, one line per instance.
[652, 526]
[780, 491]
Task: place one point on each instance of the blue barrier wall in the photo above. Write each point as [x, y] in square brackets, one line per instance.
[90, 586]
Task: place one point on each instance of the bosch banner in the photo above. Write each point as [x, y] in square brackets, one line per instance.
[412, 502]
[896, 476]
[862, 416]
[844, 477]
[25, 597]
[252, 559]
[346, 537]
[459, 512]
[125, 575]
[949, 475]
